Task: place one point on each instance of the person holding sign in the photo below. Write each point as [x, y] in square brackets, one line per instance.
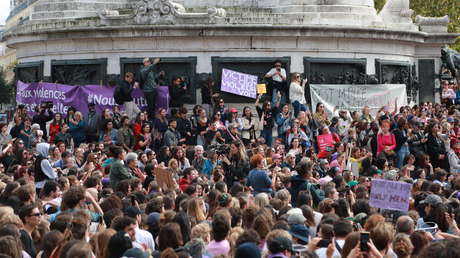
[297, 93]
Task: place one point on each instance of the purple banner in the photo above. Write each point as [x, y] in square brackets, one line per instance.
[65, 96]
[390, 195]
[239, 83]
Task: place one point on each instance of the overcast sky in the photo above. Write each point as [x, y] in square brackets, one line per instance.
[4, 10]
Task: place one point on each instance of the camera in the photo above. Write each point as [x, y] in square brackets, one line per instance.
[220, 149]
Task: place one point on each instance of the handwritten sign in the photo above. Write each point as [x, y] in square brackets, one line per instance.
[355, 97]
[261, 88]
[390, 195]
[239, 83]
[164, 178]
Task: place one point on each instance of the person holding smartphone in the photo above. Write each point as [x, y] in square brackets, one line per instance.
[276, 80]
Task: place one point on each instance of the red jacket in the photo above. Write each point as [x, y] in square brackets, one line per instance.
[183, 184]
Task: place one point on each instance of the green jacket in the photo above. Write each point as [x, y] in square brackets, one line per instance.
[126, 136]
[118, 172]
[148, 77]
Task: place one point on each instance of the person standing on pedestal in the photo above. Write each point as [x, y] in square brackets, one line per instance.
[127, 89]
[297, 94]
[276, 80]
[149, 85]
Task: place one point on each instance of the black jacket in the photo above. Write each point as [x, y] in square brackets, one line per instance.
[301, 184]
[41, 119]
[400, 137]
[126, 90]
[176, 94]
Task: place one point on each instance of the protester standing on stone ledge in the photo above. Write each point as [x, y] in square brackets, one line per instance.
[126, 85]
[149, 85]
[276, 80]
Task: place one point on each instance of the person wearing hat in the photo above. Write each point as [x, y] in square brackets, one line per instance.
[131, 163]
[431, 203]
[298, 230]
[233, 119]
[149, 85]
[279, 247]
[172, 137]
[248, 249]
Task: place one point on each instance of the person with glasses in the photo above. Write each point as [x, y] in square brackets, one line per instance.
[297, 94]
[276, 80]
[30, 216]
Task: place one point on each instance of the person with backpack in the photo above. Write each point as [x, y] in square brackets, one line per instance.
[149, 84]
[123, 96]
[301, 182]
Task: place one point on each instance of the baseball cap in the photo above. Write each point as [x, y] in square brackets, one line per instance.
[153, 219]
[352, 183]
[248, 250]
[300, 231]
[233, 110]
[296, 218]
[432, 200]
[135, 253]
[279, 244]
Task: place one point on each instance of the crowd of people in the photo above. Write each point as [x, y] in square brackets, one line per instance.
[272, 180]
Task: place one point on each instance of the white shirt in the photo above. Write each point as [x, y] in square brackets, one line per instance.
[322, 251]
[297, 92]
[276, 77]
[145, 237]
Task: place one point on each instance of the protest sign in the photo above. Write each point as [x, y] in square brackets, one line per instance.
[355, 97]
[238, 83]
[65, 96]
[261, 88]
[391, 195]
[324, 141]
[164, 178]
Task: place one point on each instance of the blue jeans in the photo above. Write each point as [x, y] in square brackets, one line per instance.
[275, 97]
[401, 155]
[298, 107]
[267, 134]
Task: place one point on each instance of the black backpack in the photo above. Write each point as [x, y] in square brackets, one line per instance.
[118, 95]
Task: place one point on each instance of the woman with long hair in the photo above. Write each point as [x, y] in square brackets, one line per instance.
[201, 126]
[320, 115]
[436, 147]
[55, 127]
[236, 163]
[283, 120]
[386, 142]
[248, 131]
[164, 155]
[108, 134]
[140, 120]
[267, 119]
[216, 119]
[208, 95]
[77, 129]
[297, 94]
[145, 139]
[105, 115]
[160, 125]
[179, 155]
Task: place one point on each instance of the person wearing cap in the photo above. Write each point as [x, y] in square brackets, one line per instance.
[248, 249]
[131, 163]
[143, 237]
[233, 119]
[431, 203]
[279, 247]
[172, 137]
[149, 85]
[231, 134]
[298, 230]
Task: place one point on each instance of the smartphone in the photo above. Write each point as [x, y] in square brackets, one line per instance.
[363, 240]
[323, 243]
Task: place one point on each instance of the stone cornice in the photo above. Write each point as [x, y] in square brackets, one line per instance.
[84, 29]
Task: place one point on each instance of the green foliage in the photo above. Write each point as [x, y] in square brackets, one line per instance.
[379, 4]
[6, 89]
[435, 8]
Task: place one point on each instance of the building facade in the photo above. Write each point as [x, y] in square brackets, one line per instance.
[331, 42]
